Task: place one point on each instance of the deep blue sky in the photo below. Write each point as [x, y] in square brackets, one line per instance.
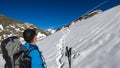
[51, 13]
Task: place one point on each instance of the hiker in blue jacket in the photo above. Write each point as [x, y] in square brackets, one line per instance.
[30, 36]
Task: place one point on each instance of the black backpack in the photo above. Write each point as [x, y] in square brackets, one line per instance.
[22, 58]
[14, 53]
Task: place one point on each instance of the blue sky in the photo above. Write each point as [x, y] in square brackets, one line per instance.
[51, 13]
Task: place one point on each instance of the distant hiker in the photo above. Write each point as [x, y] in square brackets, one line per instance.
[30, 36]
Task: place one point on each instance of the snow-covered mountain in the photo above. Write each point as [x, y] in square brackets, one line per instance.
[50, 31]
[84, 17]
[95, 43]
[10, 27]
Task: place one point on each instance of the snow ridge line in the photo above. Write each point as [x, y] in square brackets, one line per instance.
[60, 48]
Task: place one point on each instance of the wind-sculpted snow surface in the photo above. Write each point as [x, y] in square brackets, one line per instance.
[95, 43]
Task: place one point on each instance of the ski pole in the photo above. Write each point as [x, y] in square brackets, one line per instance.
[68, 54]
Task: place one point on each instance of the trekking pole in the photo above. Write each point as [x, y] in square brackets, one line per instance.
[68, 54]
[70, 57]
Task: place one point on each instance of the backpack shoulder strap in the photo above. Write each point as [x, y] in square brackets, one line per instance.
[29, 50]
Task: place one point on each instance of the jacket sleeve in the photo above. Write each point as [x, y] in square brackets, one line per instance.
[36, 60]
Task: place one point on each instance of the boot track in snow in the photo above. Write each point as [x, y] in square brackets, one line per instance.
[60, 47]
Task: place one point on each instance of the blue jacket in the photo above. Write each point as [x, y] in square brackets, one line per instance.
[35, 56]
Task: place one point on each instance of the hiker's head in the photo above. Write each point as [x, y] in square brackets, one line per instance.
[30, 36]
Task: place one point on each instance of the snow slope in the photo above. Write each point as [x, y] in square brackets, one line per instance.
[95, 43]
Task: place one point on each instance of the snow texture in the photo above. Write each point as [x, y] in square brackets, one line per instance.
[51, 31]
[1, 27]
[40, 36]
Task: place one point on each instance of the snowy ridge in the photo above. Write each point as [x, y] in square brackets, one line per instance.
[51, 31]
[40, 36]
[84, 17]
